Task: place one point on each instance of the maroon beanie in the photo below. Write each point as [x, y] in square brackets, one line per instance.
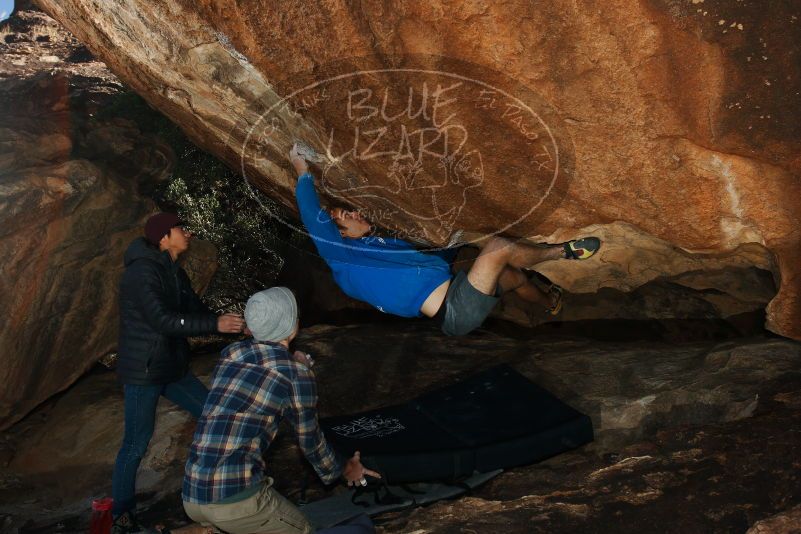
[159, 225]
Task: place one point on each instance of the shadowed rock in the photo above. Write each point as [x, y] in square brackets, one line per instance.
[632, 392]
[69, 206]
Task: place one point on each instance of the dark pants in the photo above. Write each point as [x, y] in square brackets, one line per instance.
[140, 416]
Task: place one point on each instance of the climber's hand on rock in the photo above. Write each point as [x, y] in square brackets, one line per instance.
[301, 167]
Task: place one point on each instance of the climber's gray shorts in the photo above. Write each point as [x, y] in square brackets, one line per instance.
[465, 307]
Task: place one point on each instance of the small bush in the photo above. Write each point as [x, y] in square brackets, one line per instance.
[218, 206]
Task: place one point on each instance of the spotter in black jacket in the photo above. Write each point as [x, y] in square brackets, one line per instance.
[158, 310]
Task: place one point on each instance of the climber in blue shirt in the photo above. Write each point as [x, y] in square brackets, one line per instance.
[391, 275]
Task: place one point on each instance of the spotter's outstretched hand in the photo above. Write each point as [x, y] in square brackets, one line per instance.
[355, 472]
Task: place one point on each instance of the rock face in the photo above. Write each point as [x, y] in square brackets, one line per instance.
[677, 119]
[713, 479]
[61, 456]
[788, 522]
[69, 206]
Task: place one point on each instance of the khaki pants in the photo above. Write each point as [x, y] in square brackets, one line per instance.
[265, 512]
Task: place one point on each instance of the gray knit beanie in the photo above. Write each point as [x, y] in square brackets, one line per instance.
[272, 314]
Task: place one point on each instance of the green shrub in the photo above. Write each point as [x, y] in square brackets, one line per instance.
[218, 206]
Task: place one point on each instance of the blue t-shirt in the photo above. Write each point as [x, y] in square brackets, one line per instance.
[387, 273]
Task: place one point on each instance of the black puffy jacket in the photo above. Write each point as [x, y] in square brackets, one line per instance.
[158, 310]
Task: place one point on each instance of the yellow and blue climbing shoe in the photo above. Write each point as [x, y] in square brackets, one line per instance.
[581, 249]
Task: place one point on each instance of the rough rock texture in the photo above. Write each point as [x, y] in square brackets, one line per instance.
[678, 118]
[61, 456]
[714, 479]
[69, 205]
[788, 522]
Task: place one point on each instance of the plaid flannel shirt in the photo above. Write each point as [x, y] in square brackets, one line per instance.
[255, 385]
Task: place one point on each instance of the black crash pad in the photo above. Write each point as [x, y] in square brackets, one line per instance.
[493, 420]
[377, 499]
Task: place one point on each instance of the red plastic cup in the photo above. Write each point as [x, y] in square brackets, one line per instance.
[101, 516]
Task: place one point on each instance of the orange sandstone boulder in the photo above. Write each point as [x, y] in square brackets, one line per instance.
[677, 119]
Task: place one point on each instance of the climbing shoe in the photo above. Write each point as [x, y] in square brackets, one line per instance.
[581, 249]
[556, 297]
[553, 291]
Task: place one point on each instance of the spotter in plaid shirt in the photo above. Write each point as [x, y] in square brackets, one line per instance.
[255, 385]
